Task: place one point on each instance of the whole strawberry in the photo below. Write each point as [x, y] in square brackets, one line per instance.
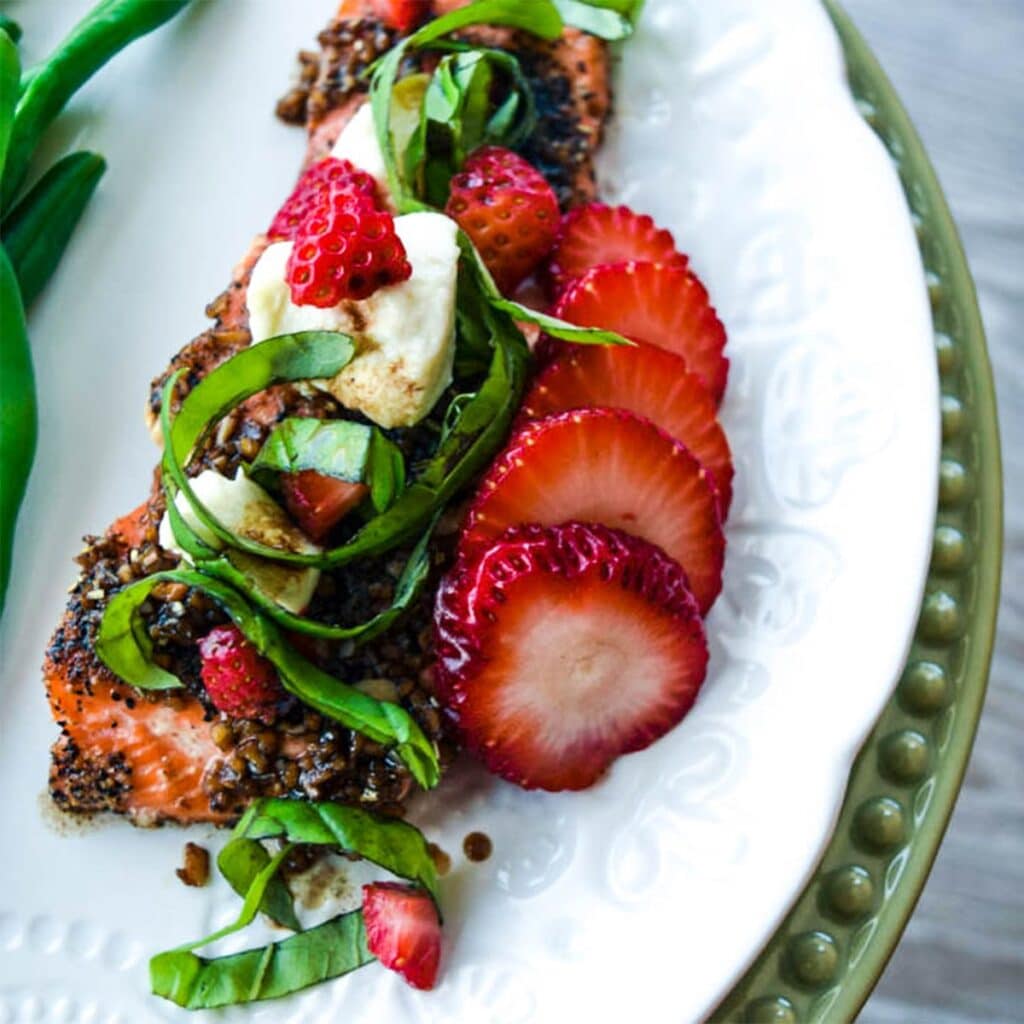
[238, 680]
[344, 248]
[508, 209]
[324, 179]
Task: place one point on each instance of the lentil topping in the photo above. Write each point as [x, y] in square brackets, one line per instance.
[195, 869]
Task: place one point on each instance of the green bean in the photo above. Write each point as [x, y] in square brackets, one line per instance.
[111, 26]
[38, 229]
[18, 424]
[11, 27]
[10, 73]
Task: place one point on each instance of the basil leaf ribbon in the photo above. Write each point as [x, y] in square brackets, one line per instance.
[240, 863]
[540, 17]
[479, 430]
[353, 452]
[456, 116]
[125, 648]
[612, 20]
[330, 950]
[390, 843]
[408, 588]
[463, 90]
[551, 325]
[379, 457]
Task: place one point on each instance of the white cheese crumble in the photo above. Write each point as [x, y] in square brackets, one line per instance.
[358, 142]
[404, 333]
[246, 509]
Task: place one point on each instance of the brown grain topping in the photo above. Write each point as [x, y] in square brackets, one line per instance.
[195, 870]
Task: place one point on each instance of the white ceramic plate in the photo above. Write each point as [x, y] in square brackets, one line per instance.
[647, 896]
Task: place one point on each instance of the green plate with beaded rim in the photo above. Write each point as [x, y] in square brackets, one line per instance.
[830, 951]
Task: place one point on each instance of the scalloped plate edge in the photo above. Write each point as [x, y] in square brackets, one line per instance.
[827, 956]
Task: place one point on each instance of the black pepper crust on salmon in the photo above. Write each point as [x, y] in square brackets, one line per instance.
[171, 756]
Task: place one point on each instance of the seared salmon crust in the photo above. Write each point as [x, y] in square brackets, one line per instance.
[160, 757]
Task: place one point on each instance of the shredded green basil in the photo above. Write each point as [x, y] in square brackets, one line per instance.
[251, 905]
[240, 862]
[219, 565]
[459, 114]
[308, 355]
[353, 452]
[391, 844]
[551, 325]
[407, 589]
[608, 19]
[477, 433]
[328, 951]
[125, 649]
[540, 17]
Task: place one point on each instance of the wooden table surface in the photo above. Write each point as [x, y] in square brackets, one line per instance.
[959, 67]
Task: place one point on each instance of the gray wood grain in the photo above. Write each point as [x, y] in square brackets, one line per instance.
[959, 67]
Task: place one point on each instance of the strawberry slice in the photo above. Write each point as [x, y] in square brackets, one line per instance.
[595, 234]
[318, 502]
[562, 648]
[403, 931]
[650, 381]
[663, 305]
[612, 467]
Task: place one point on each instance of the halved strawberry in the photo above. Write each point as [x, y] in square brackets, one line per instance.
[595, 234]
[326, 178]
[238, 680]
[403, 931]
[612, 467]
[662, 305]
[647, 380]
[562, 648]
[318, 502]
[508, 209]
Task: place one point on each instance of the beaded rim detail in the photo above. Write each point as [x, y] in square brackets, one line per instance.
[830, 951]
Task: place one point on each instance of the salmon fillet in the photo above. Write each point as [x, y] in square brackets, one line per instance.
[120, 750]
[153, 757]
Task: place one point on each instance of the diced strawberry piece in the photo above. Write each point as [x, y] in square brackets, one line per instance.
[650, 381]
[404, 15]
[508, 209]
[562, 648]
[595, 234]
[326, 178]
[344, 248]
[403, 931]
[238, 679]
[665, 306]
[612, 467]
[318, 502]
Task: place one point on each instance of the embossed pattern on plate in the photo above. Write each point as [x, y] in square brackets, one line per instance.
[735, 127]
